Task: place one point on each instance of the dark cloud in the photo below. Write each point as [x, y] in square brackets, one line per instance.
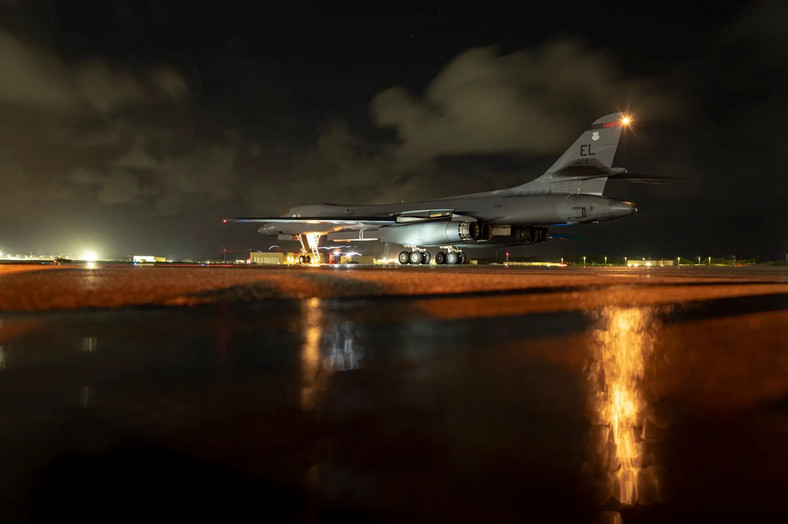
[38, 78]
[119, 188]
[526, 102]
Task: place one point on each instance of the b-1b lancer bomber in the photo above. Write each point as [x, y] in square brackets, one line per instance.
[570, 192]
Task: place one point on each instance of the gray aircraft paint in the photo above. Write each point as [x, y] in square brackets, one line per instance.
[570, 192]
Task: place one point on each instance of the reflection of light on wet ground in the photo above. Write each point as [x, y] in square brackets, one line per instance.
[84, 396]
[622, 345]
[2, 351]
[310, 351]
[345, 352]
[329, 346]
[89, 344]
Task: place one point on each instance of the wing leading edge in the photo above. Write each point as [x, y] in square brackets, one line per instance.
[360, 221]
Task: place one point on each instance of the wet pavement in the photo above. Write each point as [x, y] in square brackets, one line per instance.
[411, 394]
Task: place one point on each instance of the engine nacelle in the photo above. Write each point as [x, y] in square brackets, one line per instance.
[427, 233]
[531, 235]
[481, 231]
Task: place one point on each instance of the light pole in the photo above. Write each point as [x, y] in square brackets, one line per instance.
[584, 261]
[625, 261]
[605, 260]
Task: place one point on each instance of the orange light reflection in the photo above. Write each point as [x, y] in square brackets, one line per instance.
[622, 347]
[310, 351]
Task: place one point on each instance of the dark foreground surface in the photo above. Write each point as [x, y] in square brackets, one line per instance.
[412, 394]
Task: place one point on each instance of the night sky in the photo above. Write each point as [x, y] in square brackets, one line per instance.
[134, 127]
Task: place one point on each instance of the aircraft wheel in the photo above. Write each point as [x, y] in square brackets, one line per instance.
[308, 259]
[302, 259]
[415, 257]
[404, 257]
[425, 257]
[440, 257]
[462, 258]
[452, 258]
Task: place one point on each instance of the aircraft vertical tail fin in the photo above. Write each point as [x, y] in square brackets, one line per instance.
[585, 166]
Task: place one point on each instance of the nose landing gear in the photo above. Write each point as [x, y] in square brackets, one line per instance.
[312, 241]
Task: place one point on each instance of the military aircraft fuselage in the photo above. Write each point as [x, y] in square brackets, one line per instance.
[549, 209]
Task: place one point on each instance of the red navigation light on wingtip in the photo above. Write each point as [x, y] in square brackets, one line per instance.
[224, 220]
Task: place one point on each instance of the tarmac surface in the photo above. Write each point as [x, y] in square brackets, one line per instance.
[469, 394]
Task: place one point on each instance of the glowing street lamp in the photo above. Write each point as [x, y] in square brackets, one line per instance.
[584, 261]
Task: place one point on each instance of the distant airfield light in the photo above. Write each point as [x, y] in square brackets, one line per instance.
[89, 256]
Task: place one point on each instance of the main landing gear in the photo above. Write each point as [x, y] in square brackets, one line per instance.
[419, 256]
[450, 257]
[414, 257]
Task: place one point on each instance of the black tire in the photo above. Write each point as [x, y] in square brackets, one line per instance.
[404, 257]
[415, 257]
[301, 259]
[463, 259]
[440, 257]
[425, 257]
[308, 259]
[452, 258]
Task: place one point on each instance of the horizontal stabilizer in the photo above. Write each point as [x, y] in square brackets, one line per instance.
[587, 171]
[641, 178]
